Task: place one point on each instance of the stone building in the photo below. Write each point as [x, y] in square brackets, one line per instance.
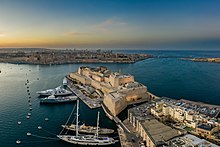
[189, 140]
[153, 132]
[206, 131]
[119, 89]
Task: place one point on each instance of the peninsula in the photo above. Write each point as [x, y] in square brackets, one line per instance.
[216, 60]
[151, 120]
[67, 56]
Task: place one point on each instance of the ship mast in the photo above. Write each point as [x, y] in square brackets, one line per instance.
[97, 127]
[77, 119]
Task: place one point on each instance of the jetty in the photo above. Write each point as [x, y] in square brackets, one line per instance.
[92, 104]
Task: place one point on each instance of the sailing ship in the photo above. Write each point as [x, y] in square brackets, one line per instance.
[87, 139]
[88, 129]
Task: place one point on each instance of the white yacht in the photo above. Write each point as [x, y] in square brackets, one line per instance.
[52, 99]
[64, 81]
[56, 92]
[87, 139]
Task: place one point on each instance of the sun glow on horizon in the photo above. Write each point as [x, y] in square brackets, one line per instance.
[129, 24]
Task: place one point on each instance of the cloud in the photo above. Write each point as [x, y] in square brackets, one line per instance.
[106, 26]
[2, 34]
[74, 33]
[109, 24]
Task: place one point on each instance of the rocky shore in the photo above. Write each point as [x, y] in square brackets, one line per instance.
[51, 56]
[216, 60]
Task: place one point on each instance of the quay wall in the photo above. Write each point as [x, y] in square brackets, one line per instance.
[115, 105]
[82, 79]
[135, 93]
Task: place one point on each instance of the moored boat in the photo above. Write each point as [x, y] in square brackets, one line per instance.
[64, 81]
[80, 139]
[56, 92]
[53, 99]
[88, 129]
[87, 140]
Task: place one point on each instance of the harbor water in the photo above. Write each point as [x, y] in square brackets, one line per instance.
[166, 75]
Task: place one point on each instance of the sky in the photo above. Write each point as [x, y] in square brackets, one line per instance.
[112, 24]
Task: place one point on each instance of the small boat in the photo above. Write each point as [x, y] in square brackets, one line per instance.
[64, 81]
[18, 142]
[27, 117]
[19, 122]
[56, 92]
[80, 139]
[39, 127]
[53, 99]
[46, 119]
[28, 134]
[88, 129]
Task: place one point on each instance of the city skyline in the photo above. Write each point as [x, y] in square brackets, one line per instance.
[110, 24]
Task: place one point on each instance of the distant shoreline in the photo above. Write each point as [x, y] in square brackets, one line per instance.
[71, 63]
[213, 60]
[58, 57]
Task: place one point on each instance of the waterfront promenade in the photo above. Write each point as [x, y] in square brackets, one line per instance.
[92, 104]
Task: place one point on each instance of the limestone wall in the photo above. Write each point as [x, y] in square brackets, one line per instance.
[97, 78]
[116, 81]
[114, 106]
[124, 80]
[86, 72]
[106, 79]
[95, 84]
[82, 79]
[106, 89]
[189, 117]
[135, 93]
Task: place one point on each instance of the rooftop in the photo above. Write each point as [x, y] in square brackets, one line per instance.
[158, 131]
[191, 140]
[142, 111]
[115, 95]
[205, 127]
[205, 109]
[119, 75]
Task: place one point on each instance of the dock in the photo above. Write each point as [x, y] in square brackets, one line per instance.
[92, 104]
[127, 133]
[123, 138]
[115, 119]
[123, 131]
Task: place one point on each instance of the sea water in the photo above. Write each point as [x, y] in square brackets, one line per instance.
[165, 75]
